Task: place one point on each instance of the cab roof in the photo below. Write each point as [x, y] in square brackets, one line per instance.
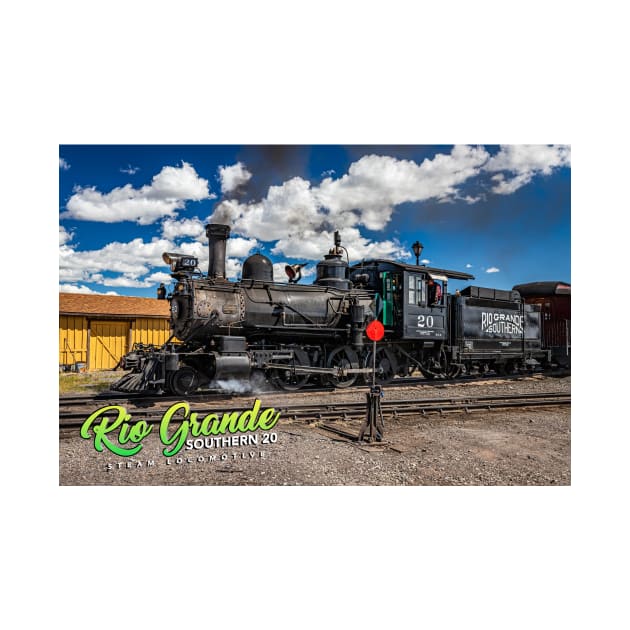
[432, 271]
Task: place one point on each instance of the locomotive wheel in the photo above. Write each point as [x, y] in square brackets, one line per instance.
[386, 366]
[288, 379]
[453, 371]
[444, 370]
[504, 369]
[343, 357]
[185, 381]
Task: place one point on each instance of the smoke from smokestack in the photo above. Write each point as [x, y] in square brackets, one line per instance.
[225, 212]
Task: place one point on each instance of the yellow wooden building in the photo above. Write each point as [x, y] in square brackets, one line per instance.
[96, 330]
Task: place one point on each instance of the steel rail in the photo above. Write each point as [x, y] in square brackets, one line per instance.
[350, 410]
[217, 394]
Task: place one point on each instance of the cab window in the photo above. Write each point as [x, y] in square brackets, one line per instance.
[417, 291]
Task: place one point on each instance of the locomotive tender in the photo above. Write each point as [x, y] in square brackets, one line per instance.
[295, 333]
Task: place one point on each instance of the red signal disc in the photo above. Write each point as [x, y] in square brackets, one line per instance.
[375, 330]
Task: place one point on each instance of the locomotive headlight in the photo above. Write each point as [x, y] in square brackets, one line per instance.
[178, 262]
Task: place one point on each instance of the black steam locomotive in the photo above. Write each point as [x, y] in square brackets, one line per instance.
[294, 333]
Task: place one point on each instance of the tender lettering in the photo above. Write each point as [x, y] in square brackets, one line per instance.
[502, 323]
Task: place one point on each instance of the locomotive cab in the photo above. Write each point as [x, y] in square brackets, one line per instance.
[425, 309]
[405, 304]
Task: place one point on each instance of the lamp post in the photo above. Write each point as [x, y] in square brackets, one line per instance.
[417, 250]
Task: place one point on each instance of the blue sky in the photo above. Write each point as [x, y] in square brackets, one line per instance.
[501, 213]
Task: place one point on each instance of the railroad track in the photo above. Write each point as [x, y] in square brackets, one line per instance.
[443, 406]
[324, 413]
[114, 398]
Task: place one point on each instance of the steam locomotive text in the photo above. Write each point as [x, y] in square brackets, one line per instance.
[503, 323]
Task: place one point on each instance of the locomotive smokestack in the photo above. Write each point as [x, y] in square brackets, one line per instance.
[217, 235]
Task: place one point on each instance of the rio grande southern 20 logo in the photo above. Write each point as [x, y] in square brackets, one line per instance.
[502, 323]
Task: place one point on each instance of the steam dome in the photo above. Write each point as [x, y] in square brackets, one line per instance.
[258, 267]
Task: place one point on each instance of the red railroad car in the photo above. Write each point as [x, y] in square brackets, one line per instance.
[554, 299]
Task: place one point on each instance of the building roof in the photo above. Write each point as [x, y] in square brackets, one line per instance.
[114, 305]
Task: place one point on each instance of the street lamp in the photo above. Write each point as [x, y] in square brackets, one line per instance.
[417, 250]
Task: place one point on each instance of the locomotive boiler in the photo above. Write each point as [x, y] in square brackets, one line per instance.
[227, 330]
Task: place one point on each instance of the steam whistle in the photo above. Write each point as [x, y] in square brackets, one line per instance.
[337, 249]
[294, 272]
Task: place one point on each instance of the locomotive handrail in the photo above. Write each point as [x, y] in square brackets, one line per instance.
[282, 304]
[285, 326]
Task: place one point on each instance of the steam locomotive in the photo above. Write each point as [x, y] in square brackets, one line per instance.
[293, 334]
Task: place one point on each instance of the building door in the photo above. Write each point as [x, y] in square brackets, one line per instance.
[108, 342]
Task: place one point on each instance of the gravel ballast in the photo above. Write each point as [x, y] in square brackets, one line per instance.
[506, 447]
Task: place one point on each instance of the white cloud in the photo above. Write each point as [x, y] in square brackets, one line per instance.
[232, 177]
[168, 192]
[132, 259]
[301, 218]
[311, 245]
[425, 261]
[195, 228]
[375, 184]
[240, 247]
[298, 219]
[130, 170]
[507, 187]
[125, 281]
[159, 276]
[173, 229]
[524, 162]
[286, 208]
[182, 182]
[291, 216]
[233, 268]
[368, 193]
[129, 281]
[73, 288]
[63, 164]
[64, 235]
